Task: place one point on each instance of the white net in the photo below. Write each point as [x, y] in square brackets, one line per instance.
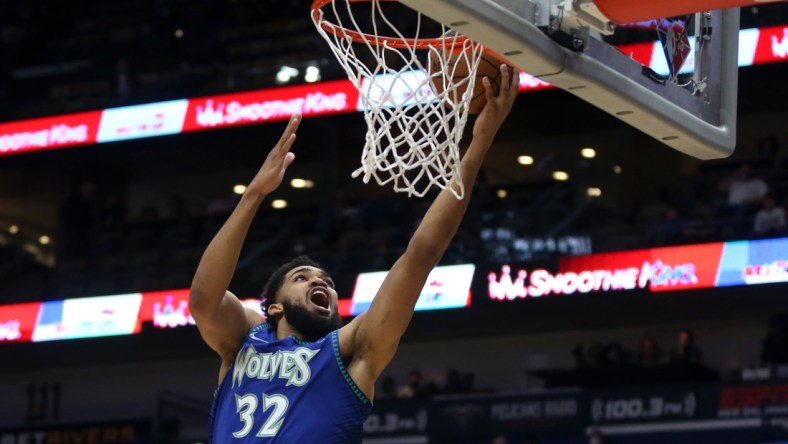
[415, 91]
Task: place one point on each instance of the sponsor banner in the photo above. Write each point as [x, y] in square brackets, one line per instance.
[684, 406]
[748, 44]
[49, 132]
[106, 315]
[756, 46]
[270, 105]
[772, 44]
[463, 418]
[397, 418]
[170, 309]
[165, 309]
[138, 121]
[752, 401]
[535, 414]
[754, 262]
[658, 404]
[121, 432]
[446, 287]
[656, 269]
[87, 317]
[17, 322]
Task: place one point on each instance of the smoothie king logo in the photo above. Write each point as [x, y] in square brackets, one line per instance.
[58, 134]
[542, 283]
[216, 112]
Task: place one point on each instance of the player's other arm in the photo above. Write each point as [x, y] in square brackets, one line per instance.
[373, 337]
[222, 320]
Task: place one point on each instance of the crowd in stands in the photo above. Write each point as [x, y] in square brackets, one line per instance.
[105, 247]
[649, 354]
[85, 55]
[451, 382]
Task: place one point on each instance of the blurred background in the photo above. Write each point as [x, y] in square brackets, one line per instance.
[133, 217]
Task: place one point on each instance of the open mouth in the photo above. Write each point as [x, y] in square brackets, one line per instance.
[319, 297]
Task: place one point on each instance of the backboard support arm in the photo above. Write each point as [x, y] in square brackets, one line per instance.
[703, 127]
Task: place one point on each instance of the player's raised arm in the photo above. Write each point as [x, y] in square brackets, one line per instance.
[220, 317]
[372, 338]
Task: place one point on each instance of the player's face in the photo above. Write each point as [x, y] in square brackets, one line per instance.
[310, 301]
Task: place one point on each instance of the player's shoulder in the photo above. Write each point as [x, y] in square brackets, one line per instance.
[346, 336]
[261, 332]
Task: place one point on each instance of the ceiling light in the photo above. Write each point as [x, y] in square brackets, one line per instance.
[588, 153]
[525, 160]
[44, 240]
[593, 192]
[312, 74]
[501, 193]
[178, 33]
[285, 74]
[13, 229]
[239, 189]
[279, 204]
[301, 183]
[617, 169]
[560, 175]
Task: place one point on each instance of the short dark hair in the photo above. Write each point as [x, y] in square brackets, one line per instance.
[276, 280]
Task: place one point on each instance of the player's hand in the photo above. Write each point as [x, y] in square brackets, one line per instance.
[497, 107]
[271, 173]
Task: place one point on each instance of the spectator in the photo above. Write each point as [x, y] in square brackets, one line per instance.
[595, 437]
[686, 351]
[770, 220]
[457, 382]
[594, 357]
[500, 439]
[744, 190]
[769, 150]
[77, 218]
[122, 81]
[774, 349]
[649, 354]
[672, 228]
[597, 355]
[112, 213]
[616, 356]
[388, 389]
[414, 387]
[702, 226]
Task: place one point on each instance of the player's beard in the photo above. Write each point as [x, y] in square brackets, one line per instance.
[310, 324]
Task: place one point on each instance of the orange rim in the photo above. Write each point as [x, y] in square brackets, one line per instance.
[393, 42]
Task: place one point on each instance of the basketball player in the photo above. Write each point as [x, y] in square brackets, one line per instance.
[301, 377]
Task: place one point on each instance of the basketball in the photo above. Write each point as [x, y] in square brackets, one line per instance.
[489, 66]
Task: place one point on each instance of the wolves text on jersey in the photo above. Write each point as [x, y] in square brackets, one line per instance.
[292, 365]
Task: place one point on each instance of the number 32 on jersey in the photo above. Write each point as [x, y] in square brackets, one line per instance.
[246, 405]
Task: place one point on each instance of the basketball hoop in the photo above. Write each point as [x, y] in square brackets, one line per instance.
[413, 129]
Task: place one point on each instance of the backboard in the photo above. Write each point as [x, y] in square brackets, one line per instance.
[559, 41]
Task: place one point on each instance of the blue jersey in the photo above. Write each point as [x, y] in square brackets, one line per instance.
[288, 391]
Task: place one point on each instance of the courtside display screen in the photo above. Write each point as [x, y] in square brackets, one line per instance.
[446, 287]
[87, 317]
[99, 316]
[719, 264]
[657, 270]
